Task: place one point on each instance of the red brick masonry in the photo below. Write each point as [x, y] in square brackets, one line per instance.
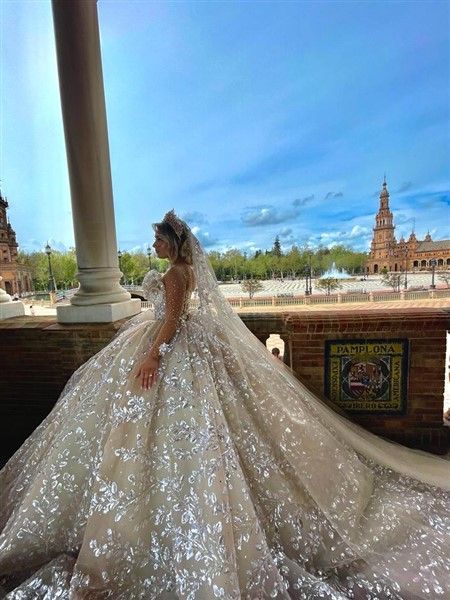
[37, 356]
[425, 328]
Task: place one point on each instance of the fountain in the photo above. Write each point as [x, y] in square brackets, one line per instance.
[335, 273]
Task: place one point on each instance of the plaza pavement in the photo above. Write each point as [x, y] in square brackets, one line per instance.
[273, 287]
[352, 306]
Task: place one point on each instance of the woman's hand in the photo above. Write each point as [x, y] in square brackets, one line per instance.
[148, 372]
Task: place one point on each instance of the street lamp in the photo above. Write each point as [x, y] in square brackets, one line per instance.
[405, 269]
[306, 281]
[310, 273]
[433, 266]
[51, 279]
[119, 256]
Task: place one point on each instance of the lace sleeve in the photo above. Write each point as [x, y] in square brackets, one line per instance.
[175, 287]
[151, 280]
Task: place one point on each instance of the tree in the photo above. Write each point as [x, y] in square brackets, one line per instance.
[68, 269]
[276, 250]
[393, 280]
[233, 263]
[293, 261]
[251, 286]
[37, 263]
[328, 285]
[135, 265]
[445, 277]
[346, 258]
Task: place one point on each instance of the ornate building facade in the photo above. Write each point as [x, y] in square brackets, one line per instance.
[386, 253]
[16, 278]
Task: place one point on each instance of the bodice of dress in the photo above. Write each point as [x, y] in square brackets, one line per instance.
[154, 291]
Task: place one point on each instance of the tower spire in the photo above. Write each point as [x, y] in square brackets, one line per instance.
[384, 196]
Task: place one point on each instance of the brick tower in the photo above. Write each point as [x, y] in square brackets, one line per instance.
[16, 277]
[383, 233]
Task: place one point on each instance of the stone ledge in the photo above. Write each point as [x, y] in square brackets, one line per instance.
[11, 309]
[97, 313]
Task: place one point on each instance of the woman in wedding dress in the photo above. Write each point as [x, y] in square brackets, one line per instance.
[182, 462]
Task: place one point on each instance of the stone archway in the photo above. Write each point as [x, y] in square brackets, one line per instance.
[375, 269]
[275, 341]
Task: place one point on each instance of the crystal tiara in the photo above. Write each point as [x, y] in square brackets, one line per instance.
[177, 225]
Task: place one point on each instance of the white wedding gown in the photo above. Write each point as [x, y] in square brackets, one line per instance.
[227, 479]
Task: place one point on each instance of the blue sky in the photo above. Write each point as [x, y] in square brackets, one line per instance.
[251, 119]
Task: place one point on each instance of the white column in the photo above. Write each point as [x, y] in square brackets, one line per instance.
[100, 297]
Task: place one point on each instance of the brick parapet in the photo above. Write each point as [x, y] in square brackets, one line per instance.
[425, 329]
[38, 355]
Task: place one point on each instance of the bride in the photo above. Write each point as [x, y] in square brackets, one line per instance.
[182, 462]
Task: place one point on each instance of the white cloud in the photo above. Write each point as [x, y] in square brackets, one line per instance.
[269, 215]
[359, 237]
[204, 237]
[285, 232]
[357, 231]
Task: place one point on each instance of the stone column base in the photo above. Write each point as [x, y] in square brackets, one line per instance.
[98, 313]
[11, 309]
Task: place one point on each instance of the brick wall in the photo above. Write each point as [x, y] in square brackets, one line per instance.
[37, 356]
[422, 425]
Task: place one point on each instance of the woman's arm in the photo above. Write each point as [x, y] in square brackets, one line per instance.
[175, 286]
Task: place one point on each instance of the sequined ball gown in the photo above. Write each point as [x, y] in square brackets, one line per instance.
[227, 479]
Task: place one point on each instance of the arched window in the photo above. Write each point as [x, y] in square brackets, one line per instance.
[274, 341]
[440, 262]
[375, 268]
[415, 264]
[423, 264]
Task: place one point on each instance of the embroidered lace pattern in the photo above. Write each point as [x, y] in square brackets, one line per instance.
[227, 479]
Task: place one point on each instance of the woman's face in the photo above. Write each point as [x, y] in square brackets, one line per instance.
[161, 247]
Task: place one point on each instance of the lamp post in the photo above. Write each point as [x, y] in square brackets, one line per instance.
[433, 266]
[405, 256]
[119, 256]
[310, 273]
[51, 279]
[306, 281]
